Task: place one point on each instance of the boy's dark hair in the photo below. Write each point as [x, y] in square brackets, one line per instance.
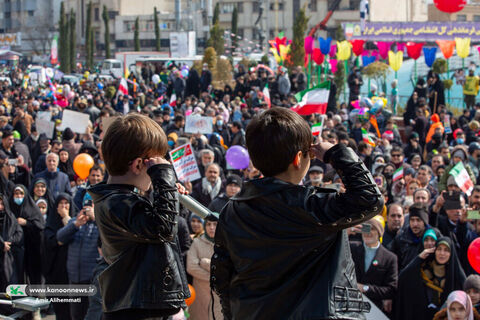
[130, 137]
[275, 137]
[97, 168]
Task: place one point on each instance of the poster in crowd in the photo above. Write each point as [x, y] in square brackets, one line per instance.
[184, 163]
[76, 121]
[198, 124]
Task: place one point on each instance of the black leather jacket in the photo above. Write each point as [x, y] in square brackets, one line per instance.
[280, 248]
[139, 243]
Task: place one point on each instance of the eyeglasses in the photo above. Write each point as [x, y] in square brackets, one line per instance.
[396, 155]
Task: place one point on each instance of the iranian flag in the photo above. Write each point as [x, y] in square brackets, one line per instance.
[398, 174]
[462, 178]
[266, 96]
[313, 100]
[317, 128]
[123, 87]
[173, 100]
[367, 138]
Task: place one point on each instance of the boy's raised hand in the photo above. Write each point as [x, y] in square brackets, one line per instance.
[156, 160]
[319, 149]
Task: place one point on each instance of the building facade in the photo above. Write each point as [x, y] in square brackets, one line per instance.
[470, 13]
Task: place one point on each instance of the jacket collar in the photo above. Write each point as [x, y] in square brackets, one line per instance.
[103, 189]
[261, 187]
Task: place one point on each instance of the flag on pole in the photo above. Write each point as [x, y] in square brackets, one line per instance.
[173, 100]
[266, 96]
[462, 178]
[123, 87]
[317, 128]
[367, 138]
[313, 100]
[398, 174]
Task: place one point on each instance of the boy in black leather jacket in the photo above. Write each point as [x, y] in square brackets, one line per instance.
[281, 251]
[145, 278]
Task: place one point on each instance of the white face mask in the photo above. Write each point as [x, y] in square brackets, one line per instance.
[35, 138]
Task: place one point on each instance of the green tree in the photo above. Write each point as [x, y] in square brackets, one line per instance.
[377, 71]
[297, 52]
[73, 41]
[107, 32]
[234, 27]
[339, 79]
[158, 44]
[88, 38]
[63, 41]
[136, 36]
[440, 66]
[216, 14]
[216, 39]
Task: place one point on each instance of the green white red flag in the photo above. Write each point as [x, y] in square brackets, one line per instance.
[462, 178]
[398, 174]
[313, 100]
[367, 138]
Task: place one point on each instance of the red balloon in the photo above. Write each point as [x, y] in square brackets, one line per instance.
[317, 56]
[414, 50]
[473, 254]
[450, 6]
[357, 46]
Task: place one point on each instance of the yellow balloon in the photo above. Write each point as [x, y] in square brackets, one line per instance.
[86, 74]
[463, 47]
[375, 99]
[344, 50]
[395, 60]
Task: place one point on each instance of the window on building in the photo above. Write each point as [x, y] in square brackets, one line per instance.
[355, 4]
[31, 13]
[227, 7]
[112, 14]
[476, 18]
[461, 17]
[313, 5]
[240, 33]
[256, 6]
[96, 14]
[128, 26]
[240, 7]
[280, 6]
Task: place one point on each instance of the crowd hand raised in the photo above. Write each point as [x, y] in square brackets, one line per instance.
[81, 219]
[156, 160]
[425, 253]
[181, 189]
[354, 230]
[318, 150]
[7, 245]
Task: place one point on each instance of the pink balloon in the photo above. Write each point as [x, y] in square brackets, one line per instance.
[333, 65]
[383, 48]
[71, 94]
[400, 46]
[333, 51]
[478, 48]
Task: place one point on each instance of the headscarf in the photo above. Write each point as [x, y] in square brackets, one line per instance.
[47, 196]
[28, 210]
[462, 298]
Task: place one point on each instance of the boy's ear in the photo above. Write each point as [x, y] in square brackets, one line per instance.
[296, 160]
[136, 165]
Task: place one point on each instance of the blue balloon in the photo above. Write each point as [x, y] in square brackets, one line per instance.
[368, 60]
[100, 85]
[429, 54]
[377, 107]
[325, 45]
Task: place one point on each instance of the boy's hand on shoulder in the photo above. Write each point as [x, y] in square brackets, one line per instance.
[319, 149]
[156, 160]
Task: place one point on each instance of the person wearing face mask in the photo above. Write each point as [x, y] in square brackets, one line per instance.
[55, 266]
[43, 207]
[426, 282]
[30, 219]
[459, 137]
[11, 237]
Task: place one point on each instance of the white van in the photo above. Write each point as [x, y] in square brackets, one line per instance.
[112, 67]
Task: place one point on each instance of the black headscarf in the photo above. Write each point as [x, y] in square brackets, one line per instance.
[54, 253]
[12, 232]
[67, 167]
[412, 301]
[47, 196]
[28, 210]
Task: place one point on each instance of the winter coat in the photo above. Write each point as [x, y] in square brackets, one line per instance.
[57, 182]
[82, 249]
[139, 244]
[198, 266]
[281, 251]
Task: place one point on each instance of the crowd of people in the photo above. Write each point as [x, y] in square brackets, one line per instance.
[411, 261]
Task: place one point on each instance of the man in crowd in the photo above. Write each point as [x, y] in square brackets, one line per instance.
[57, 181]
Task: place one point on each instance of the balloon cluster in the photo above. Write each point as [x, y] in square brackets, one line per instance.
[280, 49]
